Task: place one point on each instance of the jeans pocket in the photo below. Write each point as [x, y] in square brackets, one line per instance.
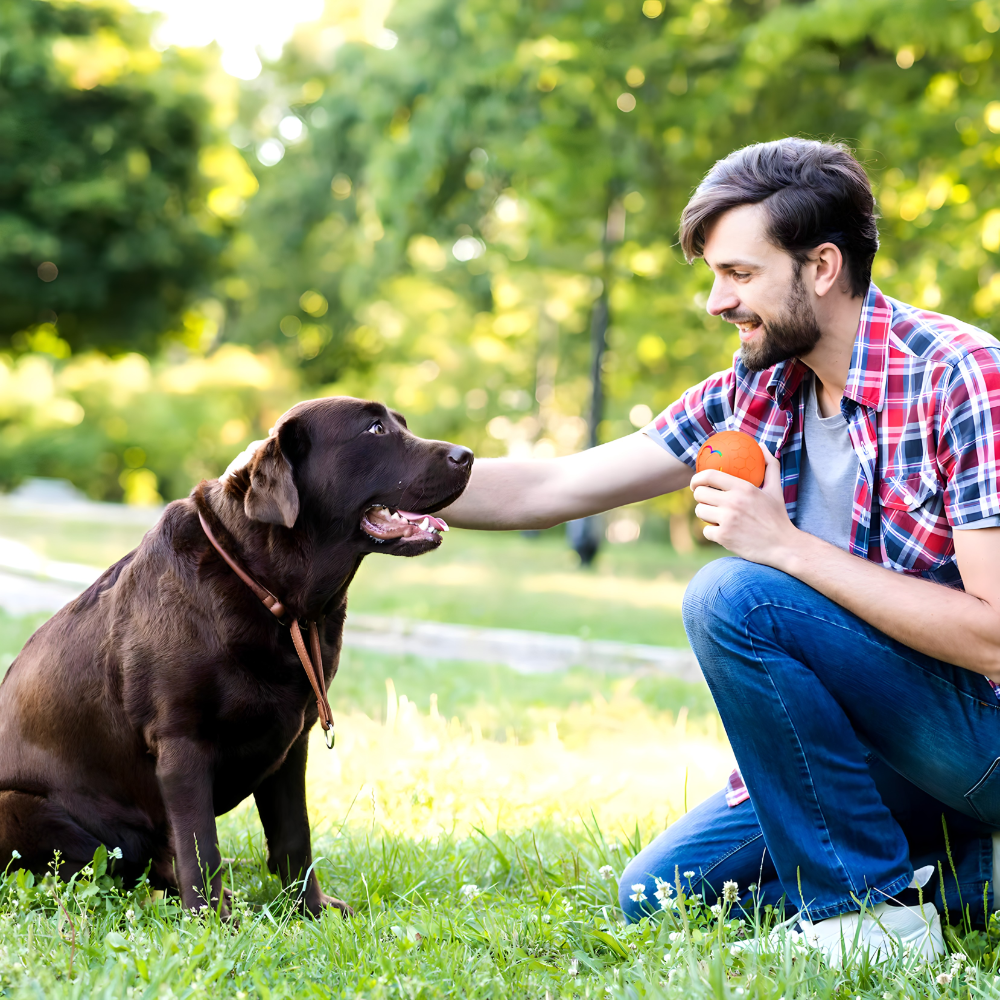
[984, 796]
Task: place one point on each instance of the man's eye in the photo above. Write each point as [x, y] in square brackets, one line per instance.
[741, 275]
[376, 428]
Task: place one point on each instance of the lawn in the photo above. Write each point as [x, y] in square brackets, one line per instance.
[466, 814]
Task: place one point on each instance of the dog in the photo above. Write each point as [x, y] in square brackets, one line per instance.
[167, 693]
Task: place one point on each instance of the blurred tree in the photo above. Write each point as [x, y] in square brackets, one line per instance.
[116, 196]
[433, 197]
[433, 235]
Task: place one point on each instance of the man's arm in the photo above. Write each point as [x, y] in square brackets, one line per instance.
[505, 494]
[956, 627]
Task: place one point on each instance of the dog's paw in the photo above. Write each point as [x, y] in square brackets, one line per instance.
[316, 903]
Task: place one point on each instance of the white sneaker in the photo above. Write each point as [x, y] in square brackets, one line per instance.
[883, 932]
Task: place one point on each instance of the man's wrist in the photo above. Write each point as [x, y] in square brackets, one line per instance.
[798, 552]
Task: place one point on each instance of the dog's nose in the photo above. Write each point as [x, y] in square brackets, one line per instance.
[459, 456]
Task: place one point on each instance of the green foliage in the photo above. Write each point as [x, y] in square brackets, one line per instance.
[508, 124]
[123, 428]
[106, 180]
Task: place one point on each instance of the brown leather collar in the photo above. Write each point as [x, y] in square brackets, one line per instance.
[312, 664]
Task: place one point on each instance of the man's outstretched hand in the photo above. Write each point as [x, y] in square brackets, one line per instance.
[749, 522]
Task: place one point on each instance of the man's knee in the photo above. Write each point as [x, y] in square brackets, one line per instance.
[723, 590]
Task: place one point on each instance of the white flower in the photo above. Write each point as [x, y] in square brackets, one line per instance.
[689, 874]
[730, 891]
[752, 887]
[957, 959]
[574, 966]
[663, 893]
[944, 979]
[606, 872]
[130, 915]
[470, 891]
[638, 892]
[717, 909]
[546, 918]
[116, 853]
[15, 854]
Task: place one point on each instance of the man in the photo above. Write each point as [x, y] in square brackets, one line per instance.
[852, 671]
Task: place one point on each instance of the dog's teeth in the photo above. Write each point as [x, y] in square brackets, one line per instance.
[424, 524]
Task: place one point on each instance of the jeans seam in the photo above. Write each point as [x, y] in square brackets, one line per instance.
[739, 847]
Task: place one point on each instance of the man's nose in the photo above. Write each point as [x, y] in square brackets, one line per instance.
[721, 299]
[460, 457]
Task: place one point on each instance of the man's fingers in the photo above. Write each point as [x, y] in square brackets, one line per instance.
[707, 513]
[707, 494]
[717, 479]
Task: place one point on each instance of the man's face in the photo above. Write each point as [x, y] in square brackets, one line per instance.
[759, 288]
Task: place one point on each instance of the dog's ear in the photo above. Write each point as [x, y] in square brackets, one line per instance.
[272, 496]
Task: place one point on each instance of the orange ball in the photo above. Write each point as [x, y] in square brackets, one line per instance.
[734, 452]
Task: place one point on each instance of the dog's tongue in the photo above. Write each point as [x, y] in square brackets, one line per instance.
[384, 523]
[435, 522]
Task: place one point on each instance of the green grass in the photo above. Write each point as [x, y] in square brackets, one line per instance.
[507, 580]
[536, 920]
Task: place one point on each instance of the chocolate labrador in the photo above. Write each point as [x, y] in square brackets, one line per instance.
[168, 692]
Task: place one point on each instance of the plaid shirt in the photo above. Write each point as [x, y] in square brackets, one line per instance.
[922, 405]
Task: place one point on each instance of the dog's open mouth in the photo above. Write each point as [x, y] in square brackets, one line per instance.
[384, 523]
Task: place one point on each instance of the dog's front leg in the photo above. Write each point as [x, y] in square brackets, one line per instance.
[281, 803]
[184, 772]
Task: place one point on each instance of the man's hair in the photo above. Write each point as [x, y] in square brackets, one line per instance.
[812, 193]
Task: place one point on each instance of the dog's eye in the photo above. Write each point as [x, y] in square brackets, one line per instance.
[377, 428]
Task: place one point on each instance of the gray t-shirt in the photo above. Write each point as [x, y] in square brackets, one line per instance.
[828, 475]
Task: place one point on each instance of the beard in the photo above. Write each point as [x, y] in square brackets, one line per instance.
[791, 334]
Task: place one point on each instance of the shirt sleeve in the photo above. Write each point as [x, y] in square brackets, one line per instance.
[684, 426]
[969, 442]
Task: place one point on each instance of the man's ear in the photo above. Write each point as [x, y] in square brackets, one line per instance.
[272, 496]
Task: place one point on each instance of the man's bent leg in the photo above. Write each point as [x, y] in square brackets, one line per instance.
[804, 689]
[716, 843]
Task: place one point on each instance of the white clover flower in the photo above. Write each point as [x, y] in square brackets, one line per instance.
[470, 891]
[574, 966]
[116, 853]
[663, 893]
[675, 936]
[752, 887]
[606, 872]
[957, 959]
[730, 891]
[716, 908]
[15, 854]
[944, 979]
[130, 915]
[689, 874]
[638, 892]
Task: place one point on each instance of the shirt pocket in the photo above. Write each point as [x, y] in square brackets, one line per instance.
[905, 493]
[915, 530]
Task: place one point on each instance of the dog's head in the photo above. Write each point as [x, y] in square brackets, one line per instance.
[351, 468]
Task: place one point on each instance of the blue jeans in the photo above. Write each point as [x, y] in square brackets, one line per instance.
[852, 746]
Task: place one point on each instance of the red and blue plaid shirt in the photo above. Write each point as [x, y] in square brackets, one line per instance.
[922, 405]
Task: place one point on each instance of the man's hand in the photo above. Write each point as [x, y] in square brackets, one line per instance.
[749, 522]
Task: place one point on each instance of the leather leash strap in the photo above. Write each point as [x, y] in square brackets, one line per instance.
[312, 664]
